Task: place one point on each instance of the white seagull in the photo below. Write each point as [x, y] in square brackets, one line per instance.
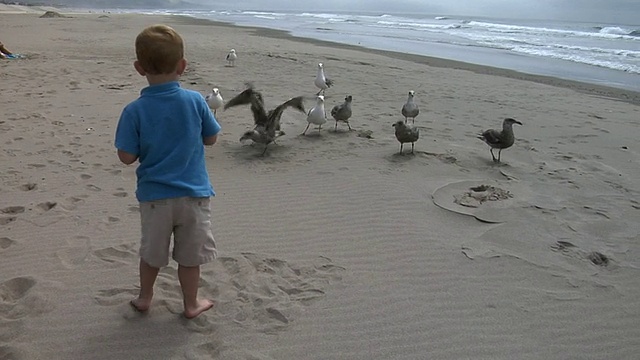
[321, 81]
[232, 57]
[316, 115]
[410, 108]
[214, 99]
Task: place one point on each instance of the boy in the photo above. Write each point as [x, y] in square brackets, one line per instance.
[165, 129]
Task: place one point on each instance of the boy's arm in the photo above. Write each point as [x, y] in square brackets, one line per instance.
[210, 140]
[127, 158]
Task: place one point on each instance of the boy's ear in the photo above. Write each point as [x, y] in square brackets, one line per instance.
[139, 69]
[182, 66]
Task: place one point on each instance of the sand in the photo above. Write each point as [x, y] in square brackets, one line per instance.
[332, 246]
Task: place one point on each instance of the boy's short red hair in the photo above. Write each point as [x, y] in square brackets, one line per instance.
[159, 48]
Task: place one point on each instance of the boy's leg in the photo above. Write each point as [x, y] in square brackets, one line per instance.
[193, 246]
[157, 223]
[148, 275]
[189, 277]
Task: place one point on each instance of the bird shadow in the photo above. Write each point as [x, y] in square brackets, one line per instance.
[314, 135]
[405, 156]
[256, 152]
[341, 132]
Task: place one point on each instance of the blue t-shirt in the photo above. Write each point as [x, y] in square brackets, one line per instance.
[165, 127]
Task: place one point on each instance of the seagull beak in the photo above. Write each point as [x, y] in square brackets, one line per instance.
[518, 122]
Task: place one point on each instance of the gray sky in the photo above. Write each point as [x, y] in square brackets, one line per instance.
[613, 11]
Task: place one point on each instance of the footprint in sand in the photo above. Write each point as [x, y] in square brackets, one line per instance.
[28, 187]
[124, 254]
[115, 296]
[120, 194]
[19, 300]
[75, 253]
[12, 210]
[6, 242]
[46, 206]
[93, 187]
[7, 220]
[266, 293]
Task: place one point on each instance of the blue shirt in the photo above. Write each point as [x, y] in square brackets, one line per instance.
[165, 127]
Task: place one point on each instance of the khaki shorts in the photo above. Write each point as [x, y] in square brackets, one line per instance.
[188, 219]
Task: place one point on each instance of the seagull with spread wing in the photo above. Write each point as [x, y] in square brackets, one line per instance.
[267, 124]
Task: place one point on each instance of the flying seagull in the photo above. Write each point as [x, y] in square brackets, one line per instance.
[267, 124]
[410, 108]
[500, 139]
[232, 57]
[342, 112]
[214, 99]
[316, 115]
[406, 133]
[321, 81]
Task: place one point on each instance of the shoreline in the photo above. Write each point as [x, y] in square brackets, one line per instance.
[619, 94]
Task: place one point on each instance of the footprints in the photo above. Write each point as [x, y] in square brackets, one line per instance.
[6, 242]
[13, 211]
[119, 255]
[18, 299]
[76, 253]
[250, 290]
[266, 293]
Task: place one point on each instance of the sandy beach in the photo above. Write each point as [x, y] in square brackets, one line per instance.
[332, 245]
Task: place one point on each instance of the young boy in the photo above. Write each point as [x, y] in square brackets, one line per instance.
[165, 129]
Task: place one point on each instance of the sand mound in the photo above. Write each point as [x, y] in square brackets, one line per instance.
[52, 14]
[486, 200]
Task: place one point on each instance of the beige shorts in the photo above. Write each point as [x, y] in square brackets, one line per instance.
[189, 220]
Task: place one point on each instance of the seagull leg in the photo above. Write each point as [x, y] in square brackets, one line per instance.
[413, 120]
[412, 148]
[335, 129]
[307, 128]
[401, 144]
[499, 152]
[265, 149]
[350, 129]
[492, 156]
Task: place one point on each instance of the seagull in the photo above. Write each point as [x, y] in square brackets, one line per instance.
[321, 81]
[410, 108]
[214, 99]
[500, 139]
[316, 115]
[231, 57]
[267, 124]
[342, 112]
[406, 133]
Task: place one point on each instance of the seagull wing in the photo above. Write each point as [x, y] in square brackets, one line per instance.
[491, 137]
[275, 114]
[250, 96]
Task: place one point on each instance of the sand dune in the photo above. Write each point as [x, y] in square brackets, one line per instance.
[332, 246]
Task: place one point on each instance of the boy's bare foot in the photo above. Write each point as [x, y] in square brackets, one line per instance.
[201, 306]
[140, 305]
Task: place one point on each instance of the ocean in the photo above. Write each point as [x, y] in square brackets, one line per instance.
[597, 53]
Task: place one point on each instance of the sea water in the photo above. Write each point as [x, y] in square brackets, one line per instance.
[598, 53]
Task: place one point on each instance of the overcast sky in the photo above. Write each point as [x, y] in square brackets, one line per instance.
[612, 11]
